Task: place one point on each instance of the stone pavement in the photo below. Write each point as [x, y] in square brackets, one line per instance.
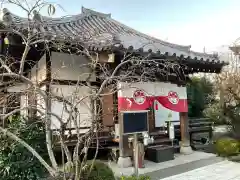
[181, 164]
[182, 168]
[224, 170]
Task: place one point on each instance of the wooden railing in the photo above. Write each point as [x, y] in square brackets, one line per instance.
[196, 126]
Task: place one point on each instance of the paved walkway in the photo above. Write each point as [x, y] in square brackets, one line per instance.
[225, 170]
[180, 164]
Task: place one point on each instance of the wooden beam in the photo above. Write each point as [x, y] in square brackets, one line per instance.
[72, 82]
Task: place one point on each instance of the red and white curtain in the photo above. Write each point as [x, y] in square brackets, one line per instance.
[141, 96]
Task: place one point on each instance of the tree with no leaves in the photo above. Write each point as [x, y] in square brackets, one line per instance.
[227, 86]
[15, 71]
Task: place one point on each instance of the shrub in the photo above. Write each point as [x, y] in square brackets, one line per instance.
[16, 162]
[134, 178]
[215, 113]
[99, 171]
[227, 147]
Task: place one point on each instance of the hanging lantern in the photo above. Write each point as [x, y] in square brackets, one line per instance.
[6, 41]
[156, 106]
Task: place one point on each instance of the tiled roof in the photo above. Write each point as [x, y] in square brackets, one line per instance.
[98, 30]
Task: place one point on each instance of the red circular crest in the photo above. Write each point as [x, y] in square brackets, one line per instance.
[139, 97]
[173, 97]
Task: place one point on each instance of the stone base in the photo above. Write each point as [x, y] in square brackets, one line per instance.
[186, 150]
[124, 162]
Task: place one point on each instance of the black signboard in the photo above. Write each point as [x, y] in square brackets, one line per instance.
[134, 122]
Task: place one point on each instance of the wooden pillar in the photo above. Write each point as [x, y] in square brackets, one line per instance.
[107, 108]
[4, 109]
[184, 123]
[123, 144]
[48, 78]
[151, 120]
[124, 160]
[185, 138]
[121, 147]
[123, 140]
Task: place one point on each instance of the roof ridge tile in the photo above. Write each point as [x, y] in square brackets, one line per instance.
[87, 11]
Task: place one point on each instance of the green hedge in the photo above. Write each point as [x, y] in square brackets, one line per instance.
[227, 147]
[16, 162]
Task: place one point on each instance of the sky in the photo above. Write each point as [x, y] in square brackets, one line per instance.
[213, 24]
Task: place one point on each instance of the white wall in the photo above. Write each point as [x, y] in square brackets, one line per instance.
[38, 74]
[42, 69]
[19, 87]
[63, 67]
[39, 71]
[70, 67]
[33, 75]
[73, 94]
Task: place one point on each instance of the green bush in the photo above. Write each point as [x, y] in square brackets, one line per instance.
[227, 147]
[134, 178]
[16, 162]
[100, 171]
[200, 93]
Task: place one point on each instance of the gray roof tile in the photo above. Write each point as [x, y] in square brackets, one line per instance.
[100, 30]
